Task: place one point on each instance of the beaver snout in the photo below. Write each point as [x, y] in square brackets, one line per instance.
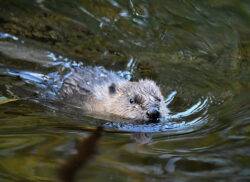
[154, 114]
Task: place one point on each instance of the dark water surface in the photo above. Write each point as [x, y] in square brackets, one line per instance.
[199, 53]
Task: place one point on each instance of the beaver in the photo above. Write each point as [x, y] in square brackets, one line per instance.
[93, 89]
[98, 90]
[90, 88]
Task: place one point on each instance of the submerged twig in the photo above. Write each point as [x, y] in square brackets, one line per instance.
[85, 151]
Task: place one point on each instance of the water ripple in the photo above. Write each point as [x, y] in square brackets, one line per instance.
[172, 124]
[6, 35]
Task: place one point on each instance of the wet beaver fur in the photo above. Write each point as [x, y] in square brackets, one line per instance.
[98, 90]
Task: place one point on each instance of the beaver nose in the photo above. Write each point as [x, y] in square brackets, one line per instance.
[154, 114]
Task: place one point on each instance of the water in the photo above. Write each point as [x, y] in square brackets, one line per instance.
[198, 51]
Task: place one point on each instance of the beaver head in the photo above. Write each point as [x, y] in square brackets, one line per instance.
[140, 100]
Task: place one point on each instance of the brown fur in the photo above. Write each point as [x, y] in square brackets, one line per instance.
[104, 92]
[144, 94]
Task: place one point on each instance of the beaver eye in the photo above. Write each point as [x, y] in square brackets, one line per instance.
[138, 99]
[131, 101]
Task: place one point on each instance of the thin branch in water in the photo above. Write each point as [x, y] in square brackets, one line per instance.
[85, 151]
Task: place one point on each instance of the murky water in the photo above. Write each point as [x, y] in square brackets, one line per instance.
[199, 53]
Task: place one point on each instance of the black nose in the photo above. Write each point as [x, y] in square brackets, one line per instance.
[154, 114]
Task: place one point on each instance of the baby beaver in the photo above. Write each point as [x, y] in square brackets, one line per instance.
[98, 90]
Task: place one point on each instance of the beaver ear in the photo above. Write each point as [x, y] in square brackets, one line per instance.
[112, 88]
